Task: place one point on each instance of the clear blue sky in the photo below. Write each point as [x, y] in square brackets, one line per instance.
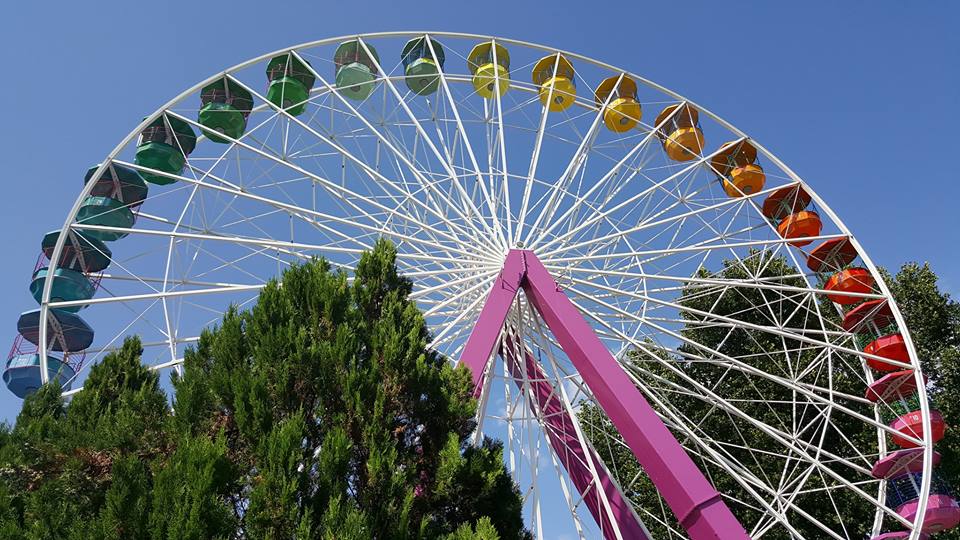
[860, 98]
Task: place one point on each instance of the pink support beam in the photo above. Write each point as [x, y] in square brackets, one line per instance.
[697, 505]
[482, 341]
[563, 439]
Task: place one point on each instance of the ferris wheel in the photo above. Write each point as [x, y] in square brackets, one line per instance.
[672, 333]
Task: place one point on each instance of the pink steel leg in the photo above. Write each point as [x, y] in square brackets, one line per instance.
[563, 439]
[697, 505]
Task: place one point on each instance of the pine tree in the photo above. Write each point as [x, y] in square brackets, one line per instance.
[340, 420]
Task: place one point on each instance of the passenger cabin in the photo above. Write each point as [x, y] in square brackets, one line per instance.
[856, 280]
[81, 252]
[903, 472]
[679, 132]
[66, 332]
[290, 81]
[735, 164]
[164, 145]
[356, 69]
[617, 97]
[897, 396]
[22, 373]
[787, 206]
[423, 59]
[489, 65]
[224, 108]
[105, 212]
[118, 182]
[68, 286]
[554, 76]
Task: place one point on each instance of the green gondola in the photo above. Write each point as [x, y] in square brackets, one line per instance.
[422, 72]
[225, 106]
[105, 212]
[356, 73]
[164, 145]
[290, 83]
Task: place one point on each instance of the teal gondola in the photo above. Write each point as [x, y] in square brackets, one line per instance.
[68, 286]
[421, 66]
[80, 252]
[66, 332]
[105, 212]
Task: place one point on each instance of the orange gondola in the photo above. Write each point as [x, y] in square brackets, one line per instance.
[681, 135]
[803, 224]
[786, 201]
[735, 164]
[851, 280]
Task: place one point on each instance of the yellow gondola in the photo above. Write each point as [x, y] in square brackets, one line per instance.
[681, 135]
[489, 64]
[735, 164]
[623, 111]
[554, 75]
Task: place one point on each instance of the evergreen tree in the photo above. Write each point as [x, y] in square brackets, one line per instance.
[81, 471]
[319, 413]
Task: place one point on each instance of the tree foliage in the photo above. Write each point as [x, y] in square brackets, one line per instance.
[319, 413]
[934, 322]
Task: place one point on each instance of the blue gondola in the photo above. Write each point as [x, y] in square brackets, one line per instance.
[22, 373]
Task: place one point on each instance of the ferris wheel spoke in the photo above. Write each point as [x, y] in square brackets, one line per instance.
[659, 223]
[610, 174]
[314, 216]
[501, 152]
[426, 138]
[344, 195]
[768, 284]
[741, 366]
[469, 148]
[573, 167]
[430, 194]
[702, 247]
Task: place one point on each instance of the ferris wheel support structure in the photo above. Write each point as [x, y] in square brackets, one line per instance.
[457, 232]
